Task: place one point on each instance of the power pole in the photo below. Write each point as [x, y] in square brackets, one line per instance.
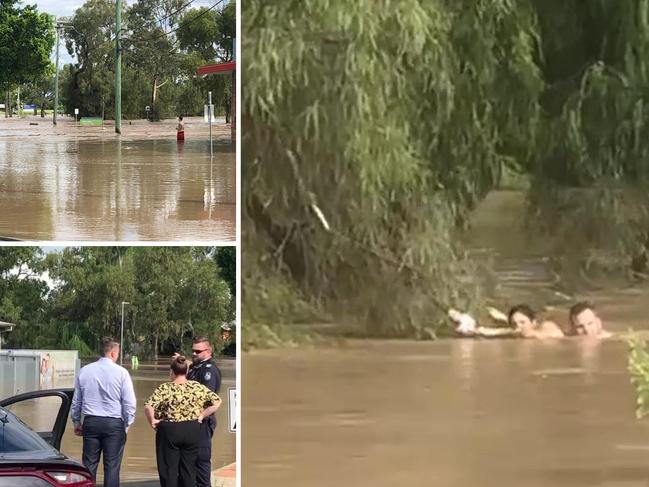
[56, 75]
[118, 67]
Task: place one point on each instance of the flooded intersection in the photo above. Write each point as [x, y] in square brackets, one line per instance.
[117, 190]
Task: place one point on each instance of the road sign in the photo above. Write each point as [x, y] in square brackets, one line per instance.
[232, 409]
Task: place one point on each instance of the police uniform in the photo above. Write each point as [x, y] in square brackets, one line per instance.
[208, 374]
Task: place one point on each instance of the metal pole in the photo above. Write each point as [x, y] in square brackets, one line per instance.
[56, 75]
[121, 337]
[118, 67]
[209, 118]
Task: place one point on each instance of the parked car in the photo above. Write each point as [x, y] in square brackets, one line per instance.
[32, 459]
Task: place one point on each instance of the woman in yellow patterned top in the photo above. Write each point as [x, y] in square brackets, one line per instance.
[176, 411]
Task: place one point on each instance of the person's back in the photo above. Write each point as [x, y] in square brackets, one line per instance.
[102, 387]
[104, 395]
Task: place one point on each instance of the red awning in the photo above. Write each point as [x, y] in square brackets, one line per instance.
[217, 68]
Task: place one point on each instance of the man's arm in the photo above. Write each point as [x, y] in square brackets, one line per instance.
[496, 332]
[129, 403]
[211, 378]
[75, 409]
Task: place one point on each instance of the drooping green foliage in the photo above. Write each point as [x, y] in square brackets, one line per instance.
[638, 366]
[391, 120]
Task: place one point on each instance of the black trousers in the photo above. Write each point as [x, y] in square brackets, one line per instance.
[176, 452]
[204, 460]
[107, 436]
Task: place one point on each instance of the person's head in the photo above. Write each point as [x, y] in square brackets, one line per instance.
[201, 349]
[109, 348]
[180, 118]
[179, 366]
[521, 317]
[584, 319]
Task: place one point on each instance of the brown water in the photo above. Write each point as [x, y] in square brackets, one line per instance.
[449, 413]
[139, 462]
[455, 412]
[117, 190]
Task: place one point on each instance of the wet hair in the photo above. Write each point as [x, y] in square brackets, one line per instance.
[578, 308]
[179, 365]
[522, 309]
[107, 345]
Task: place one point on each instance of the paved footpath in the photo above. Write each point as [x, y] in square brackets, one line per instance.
[222, 477]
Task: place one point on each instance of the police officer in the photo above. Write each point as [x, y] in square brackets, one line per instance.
[205, 371]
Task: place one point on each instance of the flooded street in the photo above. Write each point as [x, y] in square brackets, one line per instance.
[139, 461]
[117, 190]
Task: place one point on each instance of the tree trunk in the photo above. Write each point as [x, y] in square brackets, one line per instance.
[155, 351]
[154, 92]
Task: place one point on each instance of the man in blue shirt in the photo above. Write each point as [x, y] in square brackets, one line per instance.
[103, 393]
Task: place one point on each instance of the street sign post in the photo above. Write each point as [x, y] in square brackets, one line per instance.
[232, 409]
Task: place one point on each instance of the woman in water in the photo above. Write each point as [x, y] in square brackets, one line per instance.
[521, 320]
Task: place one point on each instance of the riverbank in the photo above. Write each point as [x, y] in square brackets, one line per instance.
[35, 129]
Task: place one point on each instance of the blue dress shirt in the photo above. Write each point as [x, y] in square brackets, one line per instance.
[105, 389]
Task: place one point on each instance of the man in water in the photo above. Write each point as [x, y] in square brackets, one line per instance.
[584, 321]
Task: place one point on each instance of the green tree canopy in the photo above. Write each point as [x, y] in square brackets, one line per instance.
[26, 40]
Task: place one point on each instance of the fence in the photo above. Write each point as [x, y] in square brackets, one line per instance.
[20, 370]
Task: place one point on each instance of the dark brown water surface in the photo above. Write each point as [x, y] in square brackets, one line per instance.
[117, 190]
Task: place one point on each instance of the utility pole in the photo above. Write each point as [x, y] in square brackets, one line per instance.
[118, 67]
[121, 335]
[56, 75]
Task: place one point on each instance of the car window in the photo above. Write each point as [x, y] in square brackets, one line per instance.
[16, 438]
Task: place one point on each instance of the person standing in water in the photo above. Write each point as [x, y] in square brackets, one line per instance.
[180, 130]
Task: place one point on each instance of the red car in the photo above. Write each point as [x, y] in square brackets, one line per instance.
[31, 459]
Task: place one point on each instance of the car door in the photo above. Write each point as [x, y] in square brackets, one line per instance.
[46, 412]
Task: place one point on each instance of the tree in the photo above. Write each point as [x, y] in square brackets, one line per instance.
[26, 40]
[150, 46]
[40, 93]
[91, 39]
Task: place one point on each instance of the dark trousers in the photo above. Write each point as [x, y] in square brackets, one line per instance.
[204, 460]
[106, 435]
[176, 452]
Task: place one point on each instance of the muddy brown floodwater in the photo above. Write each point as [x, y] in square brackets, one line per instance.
[449, 413]
[92, 185]
[454, 412]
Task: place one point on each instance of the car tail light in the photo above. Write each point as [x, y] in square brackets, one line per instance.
[71, 479]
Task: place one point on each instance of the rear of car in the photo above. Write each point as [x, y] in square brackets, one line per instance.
[28, 460]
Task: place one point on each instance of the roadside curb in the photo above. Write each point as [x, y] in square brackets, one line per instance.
[225, 476]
